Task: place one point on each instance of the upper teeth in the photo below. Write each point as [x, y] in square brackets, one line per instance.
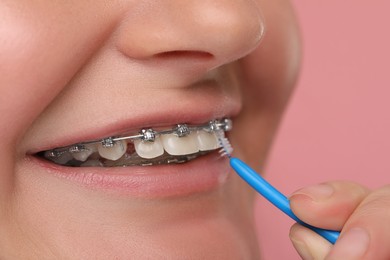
[176, 145]
[147, 149]
[207, 141]
[83, 155]
[113, 152]
[170, 143]
[149, 144]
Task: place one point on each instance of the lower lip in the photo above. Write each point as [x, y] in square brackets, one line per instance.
[200, 175]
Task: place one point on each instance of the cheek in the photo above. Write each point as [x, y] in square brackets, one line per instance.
[269, 74]
[41, 48]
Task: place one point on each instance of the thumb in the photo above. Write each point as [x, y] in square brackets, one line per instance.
[309, 245]
[327, 205]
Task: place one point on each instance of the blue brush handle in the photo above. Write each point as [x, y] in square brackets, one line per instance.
[275, 197]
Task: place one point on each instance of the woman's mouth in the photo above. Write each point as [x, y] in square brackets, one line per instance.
[149, 146]
[184, 159]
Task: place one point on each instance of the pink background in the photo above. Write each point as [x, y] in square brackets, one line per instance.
[337, 124]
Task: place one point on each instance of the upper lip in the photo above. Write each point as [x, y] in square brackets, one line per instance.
[192, 113]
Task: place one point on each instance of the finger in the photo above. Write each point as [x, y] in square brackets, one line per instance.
[327, 205]
[309, 245]
[366, 234]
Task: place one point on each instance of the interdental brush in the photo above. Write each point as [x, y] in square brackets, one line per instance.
[265, 189]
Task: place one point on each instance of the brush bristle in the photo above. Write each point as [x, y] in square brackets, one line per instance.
[226, 147]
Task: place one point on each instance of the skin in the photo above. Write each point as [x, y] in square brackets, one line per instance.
[360, 213]
[59, 63]
[150, 53]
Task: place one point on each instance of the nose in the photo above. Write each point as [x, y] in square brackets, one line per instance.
[216, 31]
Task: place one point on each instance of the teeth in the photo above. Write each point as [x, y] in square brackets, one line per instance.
[92, 163]
[82, 156]
[61, 159]
[149, 150]
[207, 141]
[175, 145]
[113, 153]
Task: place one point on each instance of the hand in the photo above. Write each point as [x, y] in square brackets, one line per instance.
[363, 216]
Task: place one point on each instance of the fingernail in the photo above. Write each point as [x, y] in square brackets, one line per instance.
[317, 192]
[302, 249]
[352, 245]
[308, 244]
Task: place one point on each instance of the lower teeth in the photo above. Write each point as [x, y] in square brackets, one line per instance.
[163, 159]
[135, 160]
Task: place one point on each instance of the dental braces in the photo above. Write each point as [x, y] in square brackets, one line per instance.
[146, 135]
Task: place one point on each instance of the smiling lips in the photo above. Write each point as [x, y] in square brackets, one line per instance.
[180, 144]
[166, 150]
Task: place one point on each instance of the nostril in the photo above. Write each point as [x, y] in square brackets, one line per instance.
[185, 54]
